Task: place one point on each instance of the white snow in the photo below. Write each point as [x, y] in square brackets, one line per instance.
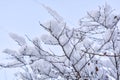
[20, 40]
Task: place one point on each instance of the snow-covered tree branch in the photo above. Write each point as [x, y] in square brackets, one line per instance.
[89, 52]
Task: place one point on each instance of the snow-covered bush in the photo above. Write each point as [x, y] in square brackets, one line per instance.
[89, 52]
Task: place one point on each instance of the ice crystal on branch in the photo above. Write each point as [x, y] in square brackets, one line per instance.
[78, 53]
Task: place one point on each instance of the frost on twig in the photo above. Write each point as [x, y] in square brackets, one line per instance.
[20, 40]
[71, 54]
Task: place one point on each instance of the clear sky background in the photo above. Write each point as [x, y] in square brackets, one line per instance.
[22, 16]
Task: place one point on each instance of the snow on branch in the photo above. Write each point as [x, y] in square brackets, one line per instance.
[55, 15]
[20, 40]
[71, 54]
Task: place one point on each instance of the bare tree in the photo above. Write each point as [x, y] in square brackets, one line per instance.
[77, 54]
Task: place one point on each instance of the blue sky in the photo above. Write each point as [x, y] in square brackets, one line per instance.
[22, 16]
